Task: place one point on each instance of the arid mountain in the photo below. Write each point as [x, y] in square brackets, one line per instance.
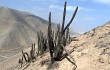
[92, 52]
[18, 28]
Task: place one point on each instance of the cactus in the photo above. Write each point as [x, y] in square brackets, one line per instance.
[38, 41]
[32, 52]
[50, 39]
[66, 36]
[25, 56]
[74, 14]
[42, 43]
[61, 36]
[34, 49]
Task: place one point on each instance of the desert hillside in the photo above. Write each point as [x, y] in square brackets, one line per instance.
[18, 30]
[92, 52]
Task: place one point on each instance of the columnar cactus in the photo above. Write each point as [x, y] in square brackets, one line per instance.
[55, 41]
[25, 56]
[42, 43]
[61, 36]
[50, 38]
[32, 52]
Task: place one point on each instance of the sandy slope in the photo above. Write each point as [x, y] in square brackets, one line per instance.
[92, 52]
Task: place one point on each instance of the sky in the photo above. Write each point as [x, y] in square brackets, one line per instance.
[91, 13]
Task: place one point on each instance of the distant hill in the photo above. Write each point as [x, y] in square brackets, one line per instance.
[18, 28]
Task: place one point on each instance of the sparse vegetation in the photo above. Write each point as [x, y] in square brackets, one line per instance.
[56, 47]
[52, 48]
[55, 42]
[42, 43]
[26, 58]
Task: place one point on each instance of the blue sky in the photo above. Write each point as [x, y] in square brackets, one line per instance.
[91, 13]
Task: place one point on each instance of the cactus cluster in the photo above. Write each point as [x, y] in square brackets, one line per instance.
[55, 41]
[60, 38]
[26, 57]
[42, 43]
